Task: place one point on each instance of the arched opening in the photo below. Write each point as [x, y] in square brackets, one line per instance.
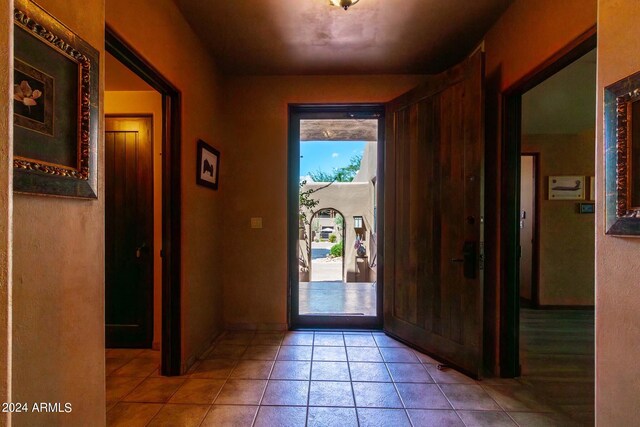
[326, 246]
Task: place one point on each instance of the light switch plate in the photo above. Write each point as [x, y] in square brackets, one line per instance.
[256, 222]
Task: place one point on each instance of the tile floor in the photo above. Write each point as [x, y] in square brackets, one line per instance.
[314, 379]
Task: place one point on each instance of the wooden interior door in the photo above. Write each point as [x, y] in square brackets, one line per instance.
[129, 232]
[433, 214]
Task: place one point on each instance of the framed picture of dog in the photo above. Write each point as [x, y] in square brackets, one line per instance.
[207, 166]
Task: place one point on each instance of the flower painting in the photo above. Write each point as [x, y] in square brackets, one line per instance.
[32, 98]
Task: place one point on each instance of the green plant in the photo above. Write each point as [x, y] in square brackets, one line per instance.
[336, 250]
[333, 238]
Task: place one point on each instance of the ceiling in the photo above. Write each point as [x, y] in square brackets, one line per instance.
[120, 78]
[565, 103]
[272, 37]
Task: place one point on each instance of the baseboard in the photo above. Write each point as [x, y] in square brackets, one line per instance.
[265, 327]
[191, 360]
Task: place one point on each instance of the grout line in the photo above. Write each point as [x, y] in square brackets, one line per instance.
[353, 392]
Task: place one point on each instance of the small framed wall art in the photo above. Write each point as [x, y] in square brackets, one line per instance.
[568, 187]
[55, 101]
[208, 163]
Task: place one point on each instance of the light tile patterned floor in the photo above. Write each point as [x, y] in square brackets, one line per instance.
[314, 379]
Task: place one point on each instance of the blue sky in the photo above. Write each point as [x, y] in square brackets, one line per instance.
[327, 155]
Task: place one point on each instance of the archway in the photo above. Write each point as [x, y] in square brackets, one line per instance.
[326, 249]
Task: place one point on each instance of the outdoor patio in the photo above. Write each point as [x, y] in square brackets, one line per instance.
[338, 298]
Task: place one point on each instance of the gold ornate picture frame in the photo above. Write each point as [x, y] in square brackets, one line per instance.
[55, 103]
[622, 156]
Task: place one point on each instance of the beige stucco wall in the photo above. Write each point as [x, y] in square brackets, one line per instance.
[58, 270]
[147, 103]
[254, 176]
[527, 34]
[348, 198]
[157, 30]
[567, 243]
[618, 260]
[6, 201]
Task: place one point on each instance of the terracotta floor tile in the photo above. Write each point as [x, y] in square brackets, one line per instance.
[241, 392]
[472, 397]
[402, 355]
[286, 393]
[298, 338]
[369, 417]
[376, 395]
[237, 337]
[332, 417]
[291, 370]
[118, 387]
[330, 371]
[409, 373]
[537, 419]
[486, 419]
[149, 354]
[296, 352]
[517, 398]
[230, 416]
[267, 338]
[367, 371]
[197, 391]
[328, 340]
[330, 393]
[434, 418]
[252, 370]
[132, 414]
[261, 352]
[359, 340]
[422, 396]
[179, 415]
[281, 416]
[137, 368]
[364, 354]
[329, 354]
[214, 369]
[154, 390]
[423, 358]
[227, 351]
[448, 376]
[123, 353]
[112, 364]
[385, 341]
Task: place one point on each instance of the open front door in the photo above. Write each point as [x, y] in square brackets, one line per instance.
[433, 216]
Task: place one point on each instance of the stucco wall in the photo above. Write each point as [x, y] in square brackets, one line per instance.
[58, 272]
[618, 263]
[145, 103]
[254, 176]
[6, 201]
[567, 244]
[157, 30]
[528, 33]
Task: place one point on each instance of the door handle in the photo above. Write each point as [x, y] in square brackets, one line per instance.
[469, 259]
[141, 248]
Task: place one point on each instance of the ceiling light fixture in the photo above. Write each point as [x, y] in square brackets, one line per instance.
[345, 4]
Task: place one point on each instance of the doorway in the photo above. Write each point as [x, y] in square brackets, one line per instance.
[548, 244]
[334, 236]
[164, 244]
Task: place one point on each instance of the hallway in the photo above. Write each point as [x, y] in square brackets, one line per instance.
[314, 379]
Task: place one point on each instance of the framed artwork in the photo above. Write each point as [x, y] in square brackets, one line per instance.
[208, 163]
[622, 156]
[587, 208]
[592, 188]
[567, 187]
[55, 102]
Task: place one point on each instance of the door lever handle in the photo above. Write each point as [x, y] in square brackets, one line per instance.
[140, 248]
[469, 259]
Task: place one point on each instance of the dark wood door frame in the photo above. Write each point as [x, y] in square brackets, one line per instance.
[329, 111]
[535, 250]
[510, 191]
[171, 197]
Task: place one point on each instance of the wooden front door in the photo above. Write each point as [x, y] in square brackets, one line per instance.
[433, 215]
[129, 232]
